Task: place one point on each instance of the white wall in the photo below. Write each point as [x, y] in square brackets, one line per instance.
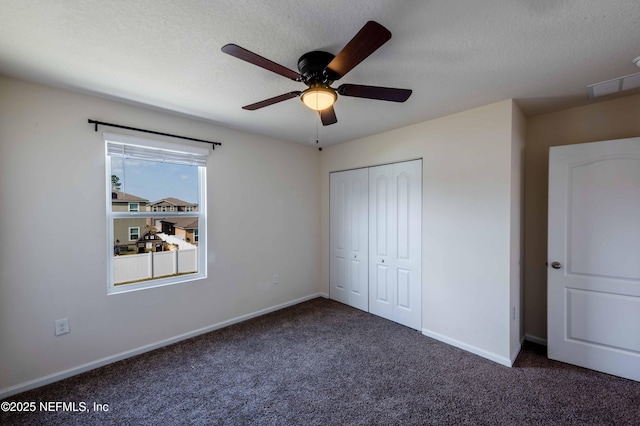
[263, 208]
[467, 211]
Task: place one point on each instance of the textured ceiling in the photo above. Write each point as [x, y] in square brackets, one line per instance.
[455, 55]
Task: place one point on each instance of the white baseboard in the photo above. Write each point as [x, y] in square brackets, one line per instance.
[51, 378]
[535, 339]
[469, 348]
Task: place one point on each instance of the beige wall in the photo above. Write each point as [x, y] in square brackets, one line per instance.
[467, 209]
[263, 214]
[518, 137]
[614, 119]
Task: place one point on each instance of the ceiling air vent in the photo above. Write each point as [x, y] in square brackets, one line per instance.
[616, 85]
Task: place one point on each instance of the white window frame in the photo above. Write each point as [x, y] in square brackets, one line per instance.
[137, 209]
[196, 236]
[166, 152]
[137, 232]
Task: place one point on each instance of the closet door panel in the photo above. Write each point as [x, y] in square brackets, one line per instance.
[382, 251]
[338, 268]
[408, 304]
[349, 238]
[359, 232]
[395, 212]
[403, 299]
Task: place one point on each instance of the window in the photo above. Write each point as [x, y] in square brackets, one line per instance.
[148, 170]
[134, 233]
[195, 235]
[189, 208]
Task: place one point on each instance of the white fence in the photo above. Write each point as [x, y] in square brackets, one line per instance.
[137, 267]
[177, 241]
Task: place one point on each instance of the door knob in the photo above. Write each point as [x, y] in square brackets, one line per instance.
[556, 265]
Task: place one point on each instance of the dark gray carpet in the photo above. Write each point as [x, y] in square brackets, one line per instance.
[324, 363]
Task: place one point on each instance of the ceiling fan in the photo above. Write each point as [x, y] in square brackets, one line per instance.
[318, 70]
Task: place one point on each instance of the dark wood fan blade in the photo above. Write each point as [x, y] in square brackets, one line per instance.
[367, 41]
[328, 116]
[375, 92]
[271, 101]
[255, 59]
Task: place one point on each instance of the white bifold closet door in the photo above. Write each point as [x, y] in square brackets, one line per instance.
[348, 238]
[395, 230]
[375, 240]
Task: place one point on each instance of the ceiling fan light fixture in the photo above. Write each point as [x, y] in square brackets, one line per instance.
[319, 97]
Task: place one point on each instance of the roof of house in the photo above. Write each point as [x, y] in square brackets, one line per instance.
[123, 196]
[149, 236]
[172, 201]
[183, 222]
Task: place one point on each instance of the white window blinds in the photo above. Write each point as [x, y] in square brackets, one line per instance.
[147, 149]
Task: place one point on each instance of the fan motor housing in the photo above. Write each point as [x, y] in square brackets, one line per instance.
[311, 66]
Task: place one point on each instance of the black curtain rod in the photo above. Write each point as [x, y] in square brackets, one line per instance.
[97, 123]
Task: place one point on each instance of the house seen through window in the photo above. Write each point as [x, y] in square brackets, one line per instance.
[156, 212]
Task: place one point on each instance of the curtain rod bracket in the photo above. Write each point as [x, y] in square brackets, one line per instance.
[97, 123]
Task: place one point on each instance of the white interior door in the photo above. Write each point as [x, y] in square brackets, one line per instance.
[395, 210]
[349, 238]
[594, 256]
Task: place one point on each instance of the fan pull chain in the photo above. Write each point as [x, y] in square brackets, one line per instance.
[318, 133]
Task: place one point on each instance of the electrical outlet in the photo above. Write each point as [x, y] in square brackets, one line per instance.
[276, 279]
[62, 326]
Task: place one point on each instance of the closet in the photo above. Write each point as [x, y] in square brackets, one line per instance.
[349, 238]
[375, 240]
